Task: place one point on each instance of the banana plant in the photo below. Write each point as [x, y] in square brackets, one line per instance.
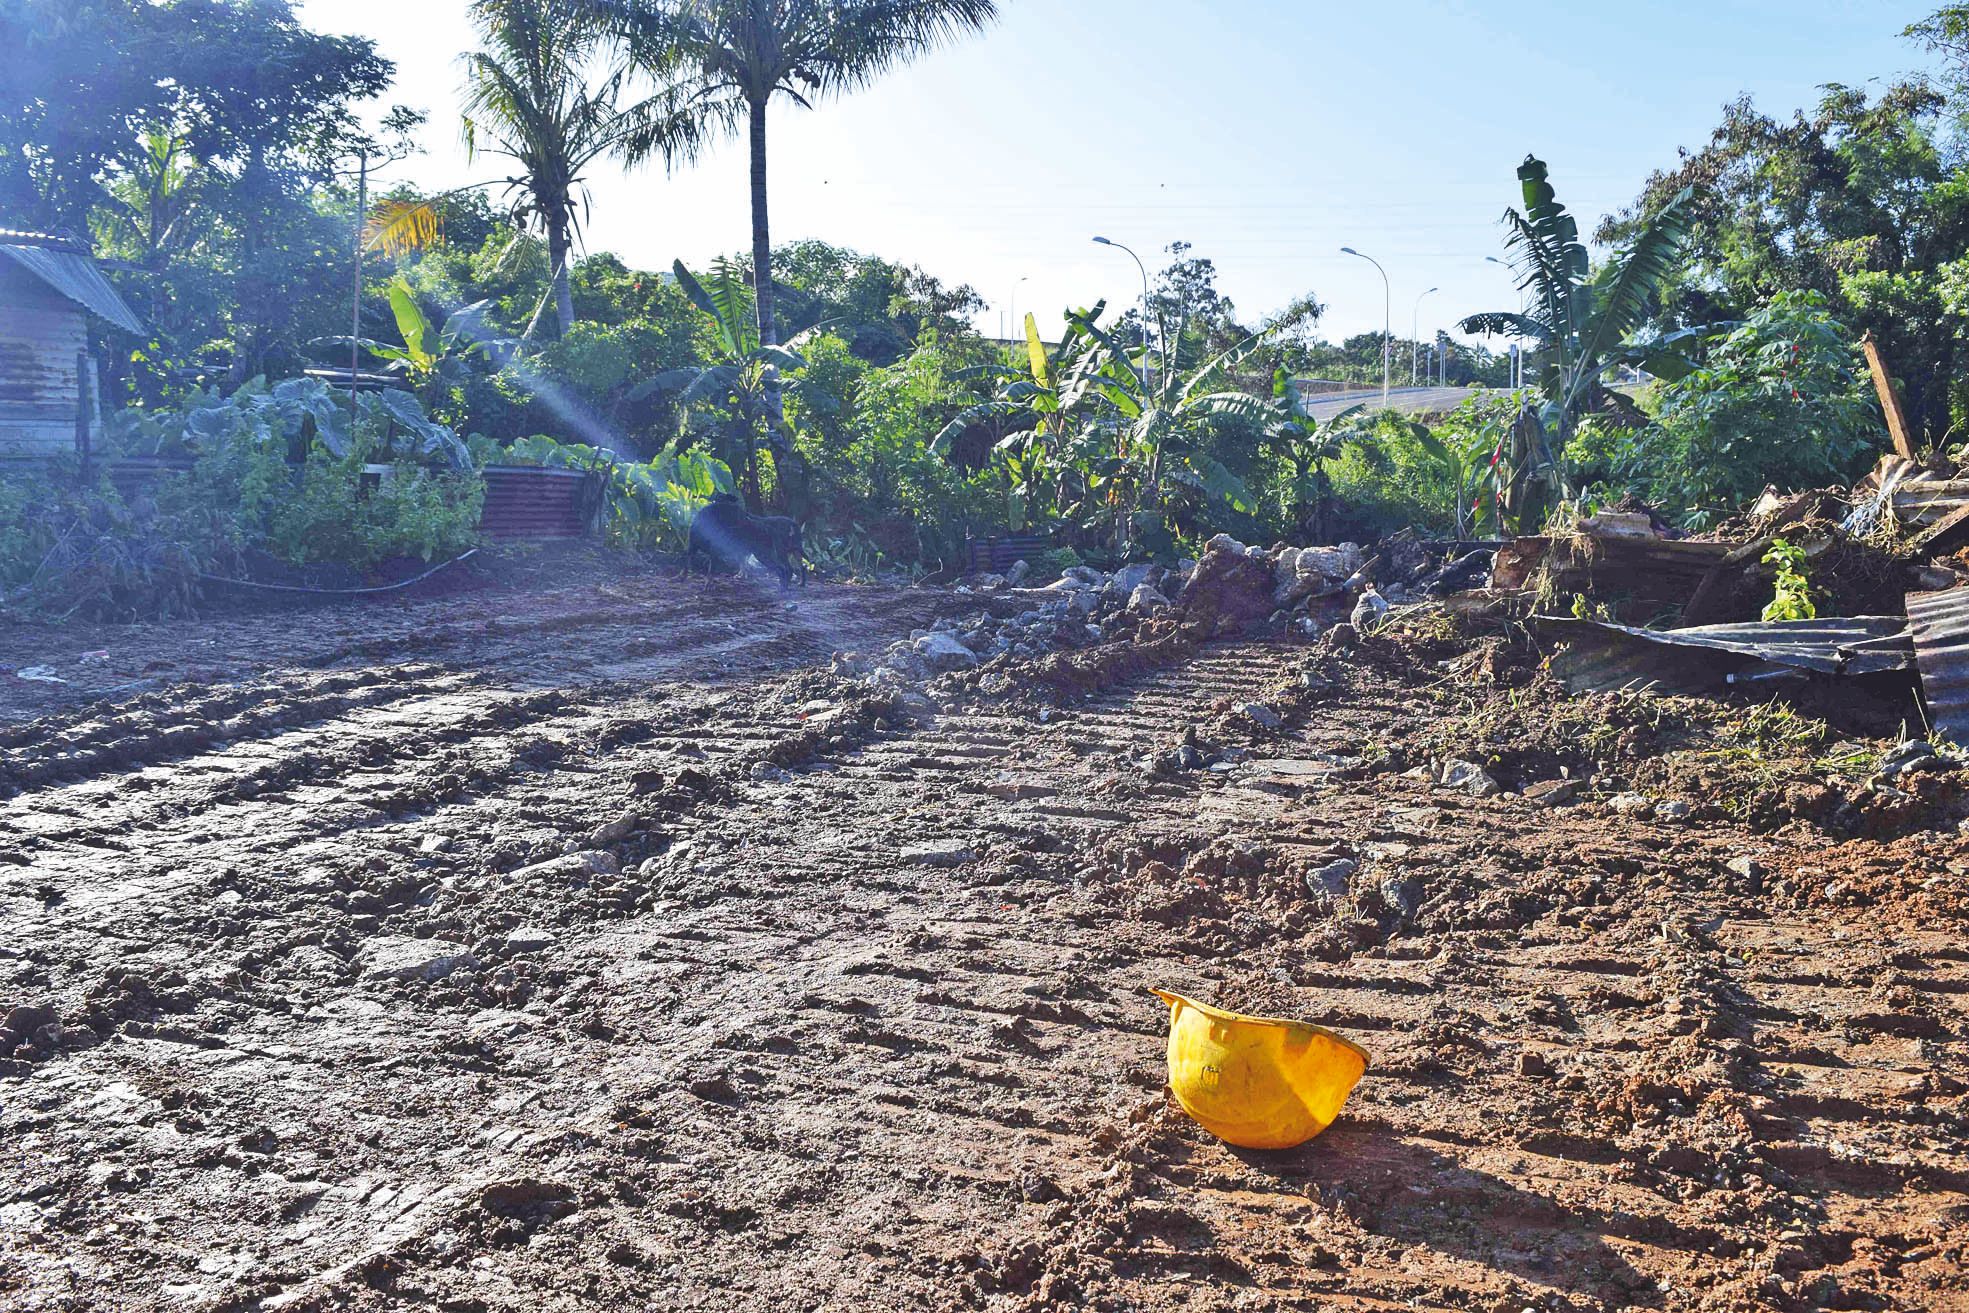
[1157, 425]
[1091, 427]
[1308, 443]
[745, 380]
[1582, 327]
[434, 357]
[1025, 412]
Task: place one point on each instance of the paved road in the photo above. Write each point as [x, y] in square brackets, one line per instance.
[1409, 401]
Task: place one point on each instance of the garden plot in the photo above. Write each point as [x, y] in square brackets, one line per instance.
[567, 955]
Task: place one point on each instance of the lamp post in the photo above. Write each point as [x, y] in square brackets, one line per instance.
[1102, 241]
[1388, 324]
[1017, 331]
[1517, 353]
[1415, 337]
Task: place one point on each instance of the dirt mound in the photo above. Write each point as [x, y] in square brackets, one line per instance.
[1231, 589]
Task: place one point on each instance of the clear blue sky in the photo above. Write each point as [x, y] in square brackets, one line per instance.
[1269, 133]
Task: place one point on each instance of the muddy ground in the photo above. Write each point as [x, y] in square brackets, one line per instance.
[591, 944]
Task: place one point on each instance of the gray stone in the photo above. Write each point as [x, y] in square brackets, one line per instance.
[1402, 893]
[576, 866]
[1674, 810]
[1147, 599]
[1223, 542]
[944, 652]
[1369, 611]
[1747, 867]
[1021, 571]
[1908, 750]
[1553, 793]
[396, 957]
[1631, 804]
[615, 831]
[1470, 777]
[948, 853]
[1330, 563]
[1263, 715]
[917, 706]
[530, 939]
[1332, 879]
[1130, 577]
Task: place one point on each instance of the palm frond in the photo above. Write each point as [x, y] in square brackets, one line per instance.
[400, 227]
[1505, 323]
[1643, 268]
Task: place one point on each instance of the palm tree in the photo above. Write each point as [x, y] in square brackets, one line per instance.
[732, 57]
[1582, 325]
[528, 98]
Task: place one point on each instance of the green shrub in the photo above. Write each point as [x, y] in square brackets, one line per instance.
[276, 470]
[1780, 399]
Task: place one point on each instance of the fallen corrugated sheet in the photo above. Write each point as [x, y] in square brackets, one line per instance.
[1939, 623]
[1604, 656]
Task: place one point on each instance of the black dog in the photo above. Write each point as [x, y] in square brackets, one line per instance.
[726, 532]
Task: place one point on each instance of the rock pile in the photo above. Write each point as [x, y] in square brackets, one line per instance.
[1232, 588]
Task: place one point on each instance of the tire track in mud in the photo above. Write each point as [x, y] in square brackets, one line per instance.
[796, 1047]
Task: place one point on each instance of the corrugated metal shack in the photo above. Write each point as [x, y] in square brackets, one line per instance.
[49, 395]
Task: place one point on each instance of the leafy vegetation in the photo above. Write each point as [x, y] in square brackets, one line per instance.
[1793, 599]
[212, 149]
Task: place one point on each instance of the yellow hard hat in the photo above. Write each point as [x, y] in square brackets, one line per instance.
[1258, 1082]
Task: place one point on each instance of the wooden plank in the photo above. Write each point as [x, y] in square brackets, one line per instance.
[1947, 534]
[1890, 398]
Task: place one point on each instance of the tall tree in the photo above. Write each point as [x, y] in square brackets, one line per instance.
[1861, 200]
[735, 56]
[529, 97]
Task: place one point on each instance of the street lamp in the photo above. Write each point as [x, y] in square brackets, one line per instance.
[1102, 241]
[1517, 374]
[1388, 324]
[1017, 330]
[1415, 336]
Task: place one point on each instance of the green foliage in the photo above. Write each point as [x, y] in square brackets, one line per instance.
[1780, 399]
[1794, 594]
[1100, 434]
[1864, 200]
[644, 504]
[276, 473]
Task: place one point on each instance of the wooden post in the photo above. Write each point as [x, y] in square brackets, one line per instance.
[1890, 399]
[83, 416]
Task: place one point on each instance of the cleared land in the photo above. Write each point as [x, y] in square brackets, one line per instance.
[540, 949]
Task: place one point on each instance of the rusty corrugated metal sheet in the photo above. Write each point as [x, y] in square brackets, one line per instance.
[1939, 623]
[997, 555]
[523, 502]
[73, 273]
[1607, 656]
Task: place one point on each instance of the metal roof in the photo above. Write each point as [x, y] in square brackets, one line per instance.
[1687, 660]
[68, 267]
[1940, 624]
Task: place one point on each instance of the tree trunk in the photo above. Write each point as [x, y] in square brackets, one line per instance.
[762, 261]
[557, 252]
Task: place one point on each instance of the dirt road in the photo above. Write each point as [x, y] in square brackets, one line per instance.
[599, 951]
